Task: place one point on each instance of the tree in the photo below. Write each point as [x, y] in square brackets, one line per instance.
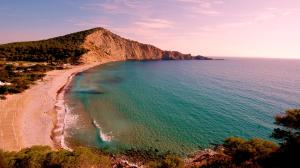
[290, 120]
[169, 161]
[2, 165]
[261, 153]
[288, 154]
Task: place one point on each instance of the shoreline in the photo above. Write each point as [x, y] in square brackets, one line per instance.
[31, 117]
[61, 110]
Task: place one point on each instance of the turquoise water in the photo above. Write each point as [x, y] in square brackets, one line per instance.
[179, 106]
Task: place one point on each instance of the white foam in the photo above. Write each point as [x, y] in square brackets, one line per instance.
[63, 144]
[70, 119]
[103, 136]
[64, 118]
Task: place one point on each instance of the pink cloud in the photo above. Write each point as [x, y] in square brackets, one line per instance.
[202, 7]
[154, 24]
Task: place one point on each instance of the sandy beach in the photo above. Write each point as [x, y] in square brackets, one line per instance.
[29, 118]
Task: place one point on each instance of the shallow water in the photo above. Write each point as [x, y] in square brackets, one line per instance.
[179, 106]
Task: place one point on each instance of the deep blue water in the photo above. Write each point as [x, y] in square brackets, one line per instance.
[180, 105]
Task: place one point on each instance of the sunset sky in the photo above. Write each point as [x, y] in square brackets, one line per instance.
[245, 28]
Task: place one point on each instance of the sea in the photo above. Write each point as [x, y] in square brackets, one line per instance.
[178, 106]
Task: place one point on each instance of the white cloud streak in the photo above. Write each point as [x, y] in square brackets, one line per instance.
[154, 24]
[202, 7]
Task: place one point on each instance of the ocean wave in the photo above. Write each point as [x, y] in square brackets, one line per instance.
[103, 136]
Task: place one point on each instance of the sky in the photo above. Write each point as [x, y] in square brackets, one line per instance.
[235, 28]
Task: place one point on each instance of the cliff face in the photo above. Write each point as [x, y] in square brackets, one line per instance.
[102, 45]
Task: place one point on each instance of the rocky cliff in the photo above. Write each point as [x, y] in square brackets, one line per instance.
[102, 44]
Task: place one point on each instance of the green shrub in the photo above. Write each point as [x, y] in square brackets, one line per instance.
[43, 156]
[28, 158]
[9, 67]
[219, 162]
[4, 89]
[87, 158]
[254, 149]
[21, 77]
[61, 158]
[144, 155]
[172, 162]
[2, 164]
[169, 161]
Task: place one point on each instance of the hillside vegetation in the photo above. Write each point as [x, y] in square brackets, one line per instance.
[63, 49]
[23, 63]
[83, 157]
[16, 77]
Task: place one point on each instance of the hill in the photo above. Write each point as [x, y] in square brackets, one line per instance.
[86, 46]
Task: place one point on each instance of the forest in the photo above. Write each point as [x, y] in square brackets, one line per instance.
[63, 49]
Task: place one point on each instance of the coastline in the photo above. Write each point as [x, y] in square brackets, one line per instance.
[32, 117]
[61, 110]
